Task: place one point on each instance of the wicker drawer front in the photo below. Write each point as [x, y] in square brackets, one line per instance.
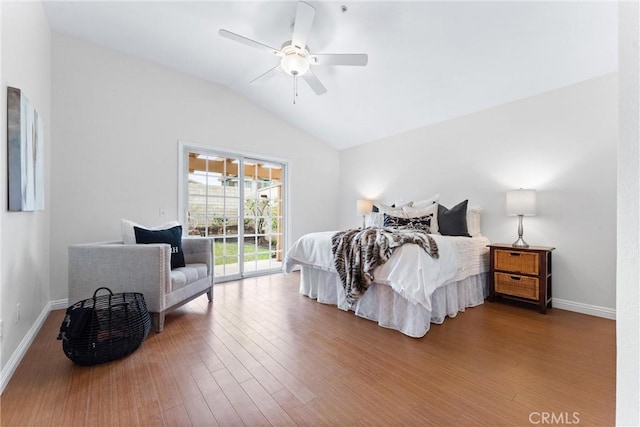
[517, 262]
[519, 286]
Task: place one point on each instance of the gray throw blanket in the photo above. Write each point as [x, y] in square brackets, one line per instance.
[358, 252]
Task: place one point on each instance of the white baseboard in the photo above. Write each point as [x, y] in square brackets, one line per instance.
[59, 304]
[578, 307]
[13, 362]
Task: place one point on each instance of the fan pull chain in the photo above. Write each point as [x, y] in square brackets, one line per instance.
[295, 87]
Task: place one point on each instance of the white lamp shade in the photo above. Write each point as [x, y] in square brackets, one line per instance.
[521, 202]
[364, 206]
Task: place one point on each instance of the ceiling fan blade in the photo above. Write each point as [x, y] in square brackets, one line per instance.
[249, 42]
[302, 25]
[360, 59]
[262, 78]
[314, 83]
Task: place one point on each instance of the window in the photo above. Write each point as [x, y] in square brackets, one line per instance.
[245, 222]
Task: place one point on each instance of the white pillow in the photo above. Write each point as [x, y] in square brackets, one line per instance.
[382, 208]
[473, 221]
[374, 219]
[427, 202]
[399, 204]
[129, 236]
[413, 212]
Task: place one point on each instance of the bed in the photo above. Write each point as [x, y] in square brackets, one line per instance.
[410, 291]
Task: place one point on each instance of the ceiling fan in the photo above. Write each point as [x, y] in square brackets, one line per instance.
[296, 58]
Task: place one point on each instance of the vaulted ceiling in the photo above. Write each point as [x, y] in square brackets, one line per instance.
[428, 61]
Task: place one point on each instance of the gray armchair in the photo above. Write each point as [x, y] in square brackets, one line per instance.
[145, 269]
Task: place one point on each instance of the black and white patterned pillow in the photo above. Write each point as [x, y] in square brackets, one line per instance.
[422, 223]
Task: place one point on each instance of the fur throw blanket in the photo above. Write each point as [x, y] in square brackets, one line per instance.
[358, 252]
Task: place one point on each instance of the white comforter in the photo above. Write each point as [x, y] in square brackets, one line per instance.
[411, 271]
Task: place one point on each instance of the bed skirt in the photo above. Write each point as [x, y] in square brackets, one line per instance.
[382, 304]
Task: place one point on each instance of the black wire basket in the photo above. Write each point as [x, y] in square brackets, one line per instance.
[105, 327]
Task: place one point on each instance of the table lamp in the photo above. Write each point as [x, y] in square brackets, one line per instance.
[364, 207]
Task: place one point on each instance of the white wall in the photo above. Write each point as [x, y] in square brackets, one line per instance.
[628, 289]
[24, 269]
[1, 146]
[117, 124]
[562, 143]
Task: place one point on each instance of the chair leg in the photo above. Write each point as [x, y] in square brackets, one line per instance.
[157, 319]
[210, 293]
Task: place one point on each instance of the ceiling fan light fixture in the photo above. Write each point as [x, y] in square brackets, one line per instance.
[296, 58]
[294, 63]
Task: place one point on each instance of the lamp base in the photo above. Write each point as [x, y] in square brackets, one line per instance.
[520, 243]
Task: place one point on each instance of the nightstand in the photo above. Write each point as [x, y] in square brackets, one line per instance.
[523, 274]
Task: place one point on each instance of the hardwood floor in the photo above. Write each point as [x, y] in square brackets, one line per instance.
[262, 354]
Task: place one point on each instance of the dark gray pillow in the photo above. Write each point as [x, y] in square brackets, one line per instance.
[171, 236]
[453, 222]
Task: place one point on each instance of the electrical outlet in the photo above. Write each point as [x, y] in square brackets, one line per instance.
[1, 329]
[17, 312]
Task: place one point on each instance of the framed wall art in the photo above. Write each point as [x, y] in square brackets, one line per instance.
[25, 142]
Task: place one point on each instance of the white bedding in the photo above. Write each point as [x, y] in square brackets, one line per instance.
[410, 272]
[389, 309]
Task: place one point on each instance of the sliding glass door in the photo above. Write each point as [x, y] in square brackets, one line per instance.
[263, 215]
[238, 202]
